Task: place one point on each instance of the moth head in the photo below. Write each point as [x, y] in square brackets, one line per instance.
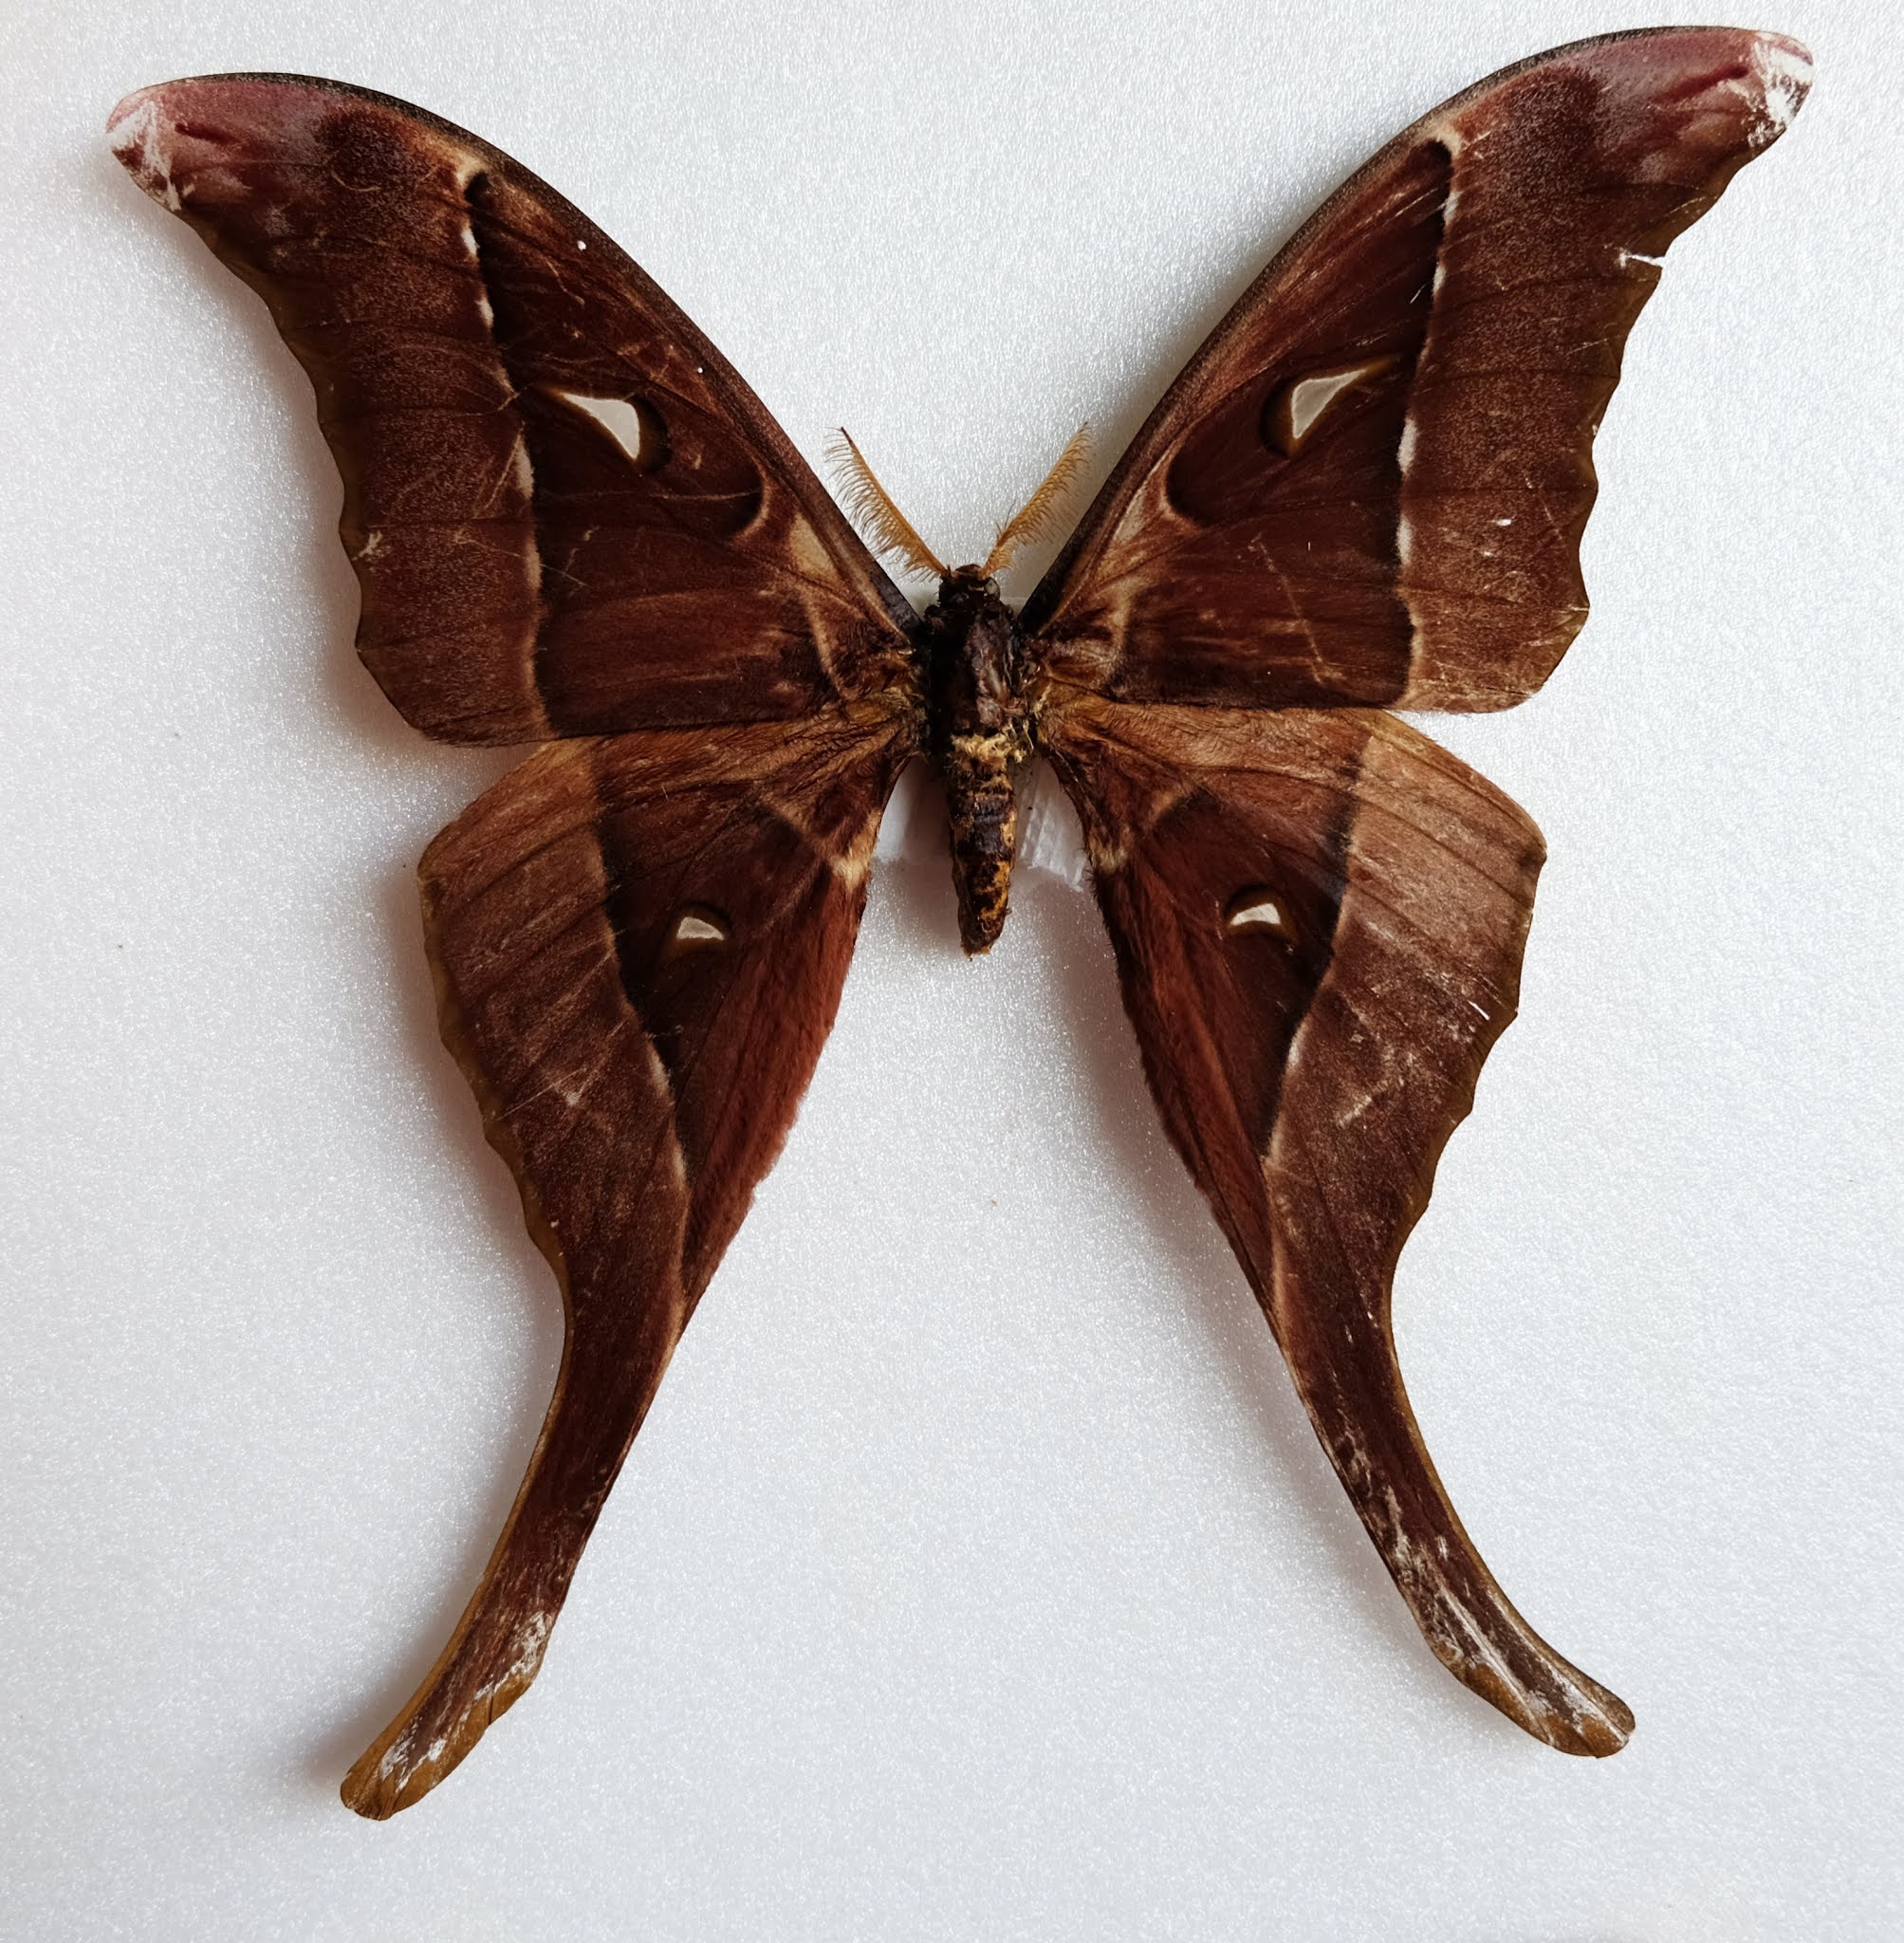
[971, 583]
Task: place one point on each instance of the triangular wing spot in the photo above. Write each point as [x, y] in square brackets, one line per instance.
[1257, 909]
[1294, 410]
[634, 424]
[697, 927]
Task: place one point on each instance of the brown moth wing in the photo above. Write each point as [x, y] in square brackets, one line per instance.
[1370, 483]
[638, 944]
[1319, 917]
[567, 512]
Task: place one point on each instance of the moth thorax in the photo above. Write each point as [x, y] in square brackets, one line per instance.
[980, 734]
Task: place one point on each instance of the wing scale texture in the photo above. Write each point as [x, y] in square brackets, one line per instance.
[1369, 486]
[567, 512]
[638, 943]
[1370, 483]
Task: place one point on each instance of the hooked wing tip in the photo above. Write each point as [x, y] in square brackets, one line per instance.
[1787, 56]
[135, 131]
[1782, 68]
[151, 136]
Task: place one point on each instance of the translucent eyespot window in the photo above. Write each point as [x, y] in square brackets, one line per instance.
[633, 423]
[697, 927]
[1257, 909]
[1296, 409]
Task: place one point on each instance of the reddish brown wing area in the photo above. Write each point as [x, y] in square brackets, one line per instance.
[1318, 918]
[1370, 483]
[569, 514]
[639, 944]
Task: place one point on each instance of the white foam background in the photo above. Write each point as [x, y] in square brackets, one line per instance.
[976, 1574]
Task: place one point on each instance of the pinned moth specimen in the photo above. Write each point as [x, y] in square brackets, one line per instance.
[577, 528]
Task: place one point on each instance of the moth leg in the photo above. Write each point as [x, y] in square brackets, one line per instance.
[612, 1364]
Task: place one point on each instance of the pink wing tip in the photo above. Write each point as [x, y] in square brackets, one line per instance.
[170, 136]
[1782, 68]
[138, 129]
[125, 107]
[1691, 90]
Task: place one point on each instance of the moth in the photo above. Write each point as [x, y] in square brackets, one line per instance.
[576, 527]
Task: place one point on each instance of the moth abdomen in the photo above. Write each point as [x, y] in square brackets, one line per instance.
[981, 797]
[980, 735]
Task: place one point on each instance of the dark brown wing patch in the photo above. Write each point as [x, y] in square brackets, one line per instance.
[1318, 919]
[569, 514]
[639, 944]
[1370, 483]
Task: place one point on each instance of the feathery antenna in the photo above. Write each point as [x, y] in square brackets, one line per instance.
[870, 508]
[1033, 520]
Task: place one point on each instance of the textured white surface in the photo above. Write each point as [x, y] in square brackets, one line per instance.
[976, 1574]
